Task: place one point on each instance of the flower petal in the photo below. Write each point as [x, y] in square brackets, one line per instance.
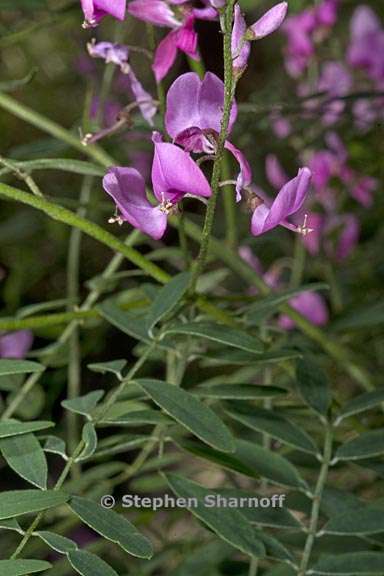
[270, 22]
[240, 48]
[127, 188]
[154, 11]
[311, 305]
[175, 174]
[165, 55]
[15, 344]
[288, 201]
[211, 103]
[244, 177]
[183, 104]
[144, 100]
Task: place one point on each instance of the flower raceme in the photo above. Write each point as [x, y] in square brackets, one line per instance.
[193, 119]
[179, 15]
[174, 176]
[95, 10]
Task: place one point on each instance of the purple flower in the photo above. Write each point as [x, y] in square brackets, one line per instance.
[367, 43]
[308, 303]
[193, 119]
[182, 36]
[335, 81]
[119, 54]
[240, 48]
[15, 344]
[95, 10]
[174, 176]
[302, 30]
[288, 201]
[269, 22]
[275, 173]
[311, 305]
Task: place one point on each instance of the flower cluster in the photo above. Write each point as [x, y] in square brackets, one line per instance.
[193, 120]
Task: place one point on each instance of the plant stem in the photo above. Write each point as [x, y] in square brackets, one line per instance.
[71, 461]
[217, 165]
[74, 363]
[28, 115]
[336, 350]
[253, 567]
[229, 206]
[315, 511]
[90, 228]
[298, 263]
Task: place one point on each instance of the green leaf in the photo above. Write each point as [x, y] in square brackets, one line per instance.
[22, 567]
[274, 548]
[137, 417]
[233, 357]
[367, 317]
[62, 164]
[17, 502]
[26, 457]
[190, 413]
[112, 526]
[114, 367]
[221, 334]
[364, 520]
[55, 445]
[351, 564]
[84, 405]
[274, 424]
[271, 304]
[13, 427]
[366, 445]
[89, 438]
[130, 323]
[251, 460]
[117, 444]
[8, 367]
[167, 299]
[273, 516]
[313, 385]
[238, 391]
[360, 404]
[57, 542]
[269, 464]
[88, 564]
[11, 524]
[227, 523]
[11, 85]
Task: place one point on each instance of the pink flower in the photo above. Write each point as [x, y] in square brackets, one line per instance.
[174, 175]
[288, 201]
[182, 36]
[311, 305]
[95, 10]
[193, 119]
[269, 22]
[119, 54]
[15, 344]
[367, 43]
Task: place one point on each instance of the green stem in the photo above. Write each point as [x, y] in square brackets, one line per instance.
[217, 165]
[315, 511]
[336, 350]
[90, 228]
[21, 395]
[74, 362]
[229, 206]
[71, 461]
[298, 263]
[39, 121]
[253, 567]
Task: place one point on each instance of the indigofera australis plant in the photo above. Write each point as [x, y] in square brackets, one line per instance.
[224, 395]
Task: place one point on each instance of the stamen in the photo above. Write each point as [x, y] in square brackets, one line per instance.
[304, 230]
